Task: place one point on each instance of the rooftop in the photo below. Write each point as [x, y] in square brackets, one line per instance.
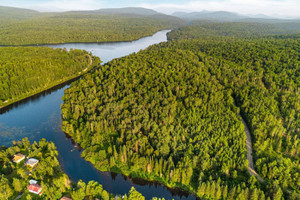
[65, 198]
[32, 182]
[18, 157]
[32, 161]
[34, 188]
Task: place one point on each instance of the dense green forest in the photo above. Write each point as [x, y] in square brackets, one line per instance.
[130, 116]
[25, 71]
[208, 29]
[45, 28]
[15, 177]
[171, 113]
[265, 81]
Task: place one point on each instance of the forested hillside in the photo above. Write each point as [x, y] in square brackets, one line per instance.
[201, 29]
[167, 120]
[88, 26]
[25, 71]
[9, 13]
[266, 86]
[171, 113]
[16, 177]
[221, 16]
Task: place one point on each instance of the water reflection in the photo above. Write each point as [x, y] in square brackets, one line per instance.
[109, 51]
[39, 117]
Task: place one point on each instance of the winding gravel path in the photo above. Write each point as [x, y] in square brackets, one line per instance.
[250, 152]
[251, 169]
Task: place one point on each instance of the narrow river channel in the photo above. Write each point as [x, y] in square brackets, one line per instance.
[39, 117]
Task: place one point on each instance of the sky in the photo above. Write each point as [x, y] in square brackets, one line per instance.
[275, 8]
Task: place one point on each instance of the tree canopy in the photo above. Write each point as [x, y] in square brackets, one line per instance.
[28, 70]
[15, 177]
[171, 113]
[76, 27]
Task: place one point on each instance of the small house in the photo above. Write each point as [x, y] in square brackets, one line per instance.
[32, 162]
[18, 158]
[35, 189]
[32, 182]
[65, 198]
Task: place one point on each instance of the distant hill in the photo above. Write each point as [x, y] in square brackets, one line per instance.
[104, 25]
[223, 16]
[128, 10]
[20, 13]
[10, 14]
[261, 16]
[16, 13]
[207, 15]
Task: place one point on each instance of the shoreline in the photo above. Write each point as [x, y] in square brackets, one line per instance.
[180, 190]
[137, 177]
[74, 42]
[39, 91]
[132, 178]
[61, 82]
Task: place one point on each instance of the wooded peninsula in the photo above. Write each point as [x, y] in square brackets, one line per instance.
[170, 113]
[26, 71]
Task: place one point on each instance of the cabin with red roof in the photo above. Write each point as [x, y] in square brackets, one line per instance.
[35, 188]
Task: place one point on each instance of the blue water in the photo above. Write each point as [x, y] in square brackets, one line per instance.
[39, 117]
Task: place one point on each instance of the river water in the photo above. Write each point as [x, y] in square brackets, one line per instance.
[39, 117]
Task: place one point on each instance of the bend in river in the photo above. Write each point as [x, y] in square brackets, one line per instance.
[40, 117]
[111, 50]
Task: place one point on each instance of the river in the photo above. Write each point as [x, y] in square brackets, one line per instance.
[39, 117]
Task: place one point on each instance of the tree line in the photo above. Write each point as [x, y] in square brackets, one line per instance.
[28, 70]
[264, 75]
[67, 28]
[168, 114]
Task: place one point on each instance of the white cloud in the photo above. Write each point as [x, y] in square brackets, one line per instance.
[287, 8]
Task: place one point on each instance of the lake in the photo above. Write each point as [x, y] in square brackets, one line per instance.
[39, 117]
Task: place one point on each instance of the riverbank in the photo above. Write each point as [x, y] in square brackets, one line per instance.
[17, 184]
[40, 117]
[177, 189]
[83, 42]
[71, 78]
[125, 51]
